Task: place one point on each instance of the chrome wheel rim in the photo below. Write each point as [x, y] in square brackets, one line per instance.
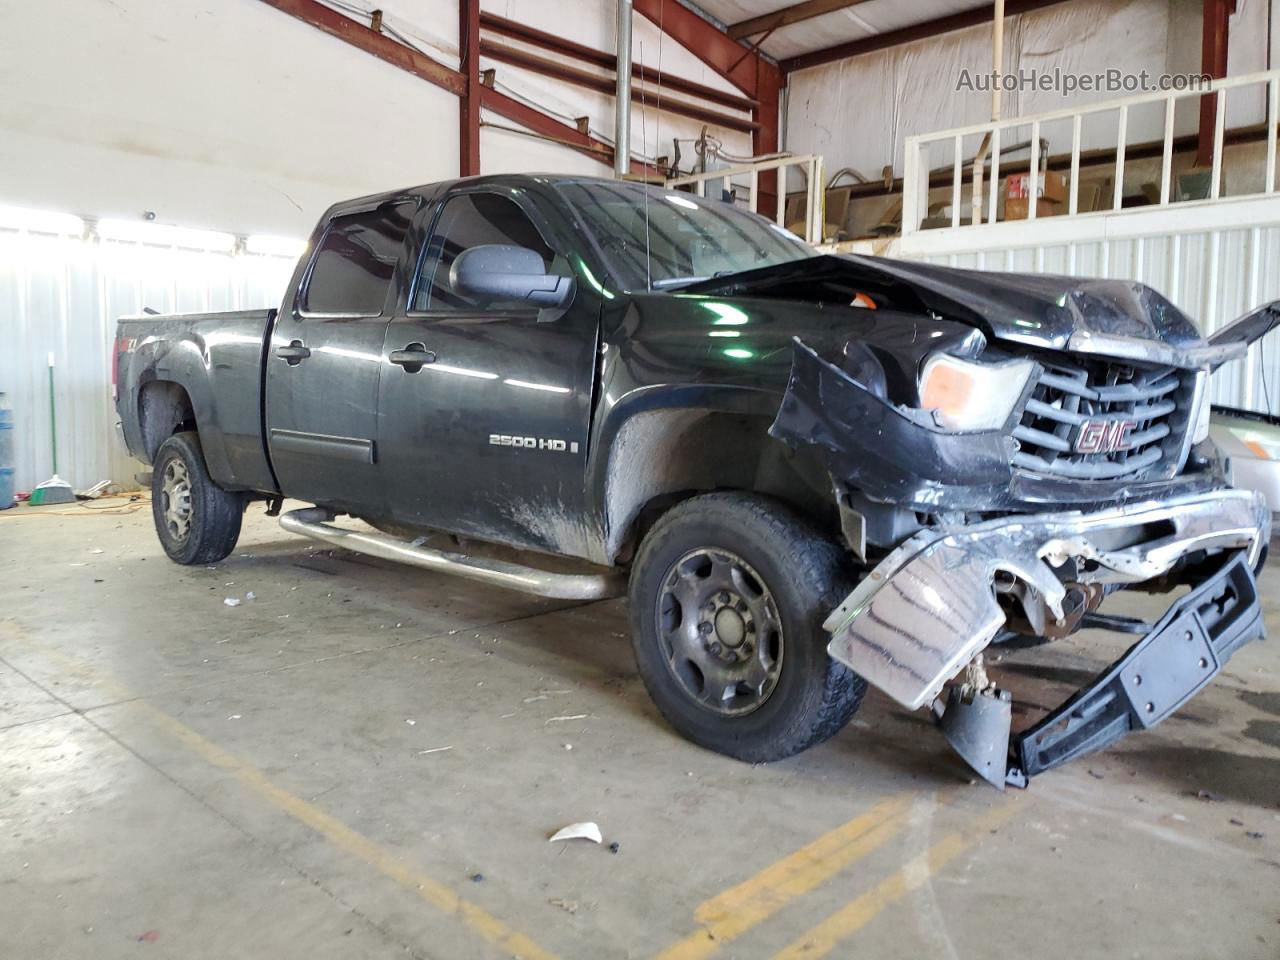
[175, 496]
[720, 631]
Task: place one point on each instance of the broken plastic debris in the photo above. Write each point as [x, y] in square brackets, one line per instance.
[586, 830]
[576, 716]
[435, 750]
[411, 722]
[251, 595]
[232, 601]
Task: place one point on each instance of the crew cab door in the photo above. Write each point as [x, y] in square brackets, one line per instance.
[484, 407]
[324, 361]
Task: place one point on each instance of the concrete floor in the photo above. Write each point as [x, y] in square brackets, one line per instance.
[186, 779]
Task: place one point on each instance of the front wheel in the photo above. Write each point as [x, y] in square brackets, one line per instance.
[728, 594]
[197, 521]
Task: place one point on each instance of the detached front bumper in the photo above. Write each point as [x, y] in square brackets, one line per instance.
[925, 612]
[929, 607]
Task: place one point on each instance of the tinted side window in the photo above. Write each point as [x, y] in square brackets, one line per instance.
[470, 220]
[356, 260]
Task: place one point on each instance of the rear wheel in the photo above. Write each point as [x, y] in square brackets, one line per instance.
[728, 594]
[197, 521]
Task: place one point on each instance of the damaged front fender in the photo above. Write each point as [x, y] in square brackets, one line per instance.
[883, 451]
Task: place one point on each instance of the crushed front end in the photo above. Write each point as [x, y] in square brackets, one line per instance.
[1009, 487]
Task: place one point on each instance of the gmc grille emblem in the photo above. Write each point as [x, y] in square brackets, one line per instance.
[1105, 436]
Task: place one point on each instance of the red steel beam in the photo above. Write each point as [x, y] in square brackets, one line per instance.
[371, 41]
[918, 31]
[709, 44]
[797, 13]
[420, 65]
[1213, 61]
[552, 129]
[601, 58]
[591, 81]
[741, 65]
[469, 102]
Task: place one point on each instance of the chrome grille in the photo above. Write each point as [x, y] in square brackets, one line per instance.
[1149, 402]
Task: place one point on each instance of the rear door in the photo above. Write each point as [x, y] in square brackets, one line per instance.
[488, 436]
[325, 359]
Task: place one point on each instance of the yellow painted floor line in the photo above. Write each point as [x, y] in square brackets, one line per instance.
[355, 844]
[915, 873]
[729, 915]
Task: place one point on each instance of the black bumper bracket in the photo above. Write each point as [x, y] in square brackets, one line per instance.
[1157, 675]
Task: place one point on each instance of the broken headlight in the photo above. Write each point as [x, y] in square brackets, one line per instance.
[972, 396]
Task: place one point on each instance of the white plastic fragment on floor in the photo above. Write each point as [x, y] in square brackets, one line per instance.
[435, 750]
[232, 601]
[575, 716]
[586, 830]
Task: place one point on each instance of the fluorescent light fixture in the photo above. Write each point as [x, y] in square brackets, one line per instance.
[537, 386]
[461, 371]
[161, 235]
[727, 315]
[40, 221]
[274, 246]
[680, 201]
[738, 353]
[724, 333]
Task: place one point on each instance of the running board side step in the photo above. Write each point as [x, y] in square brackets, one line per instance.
[315, 522]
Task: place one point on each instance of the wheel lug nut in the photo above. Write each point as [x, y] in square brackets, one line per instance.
[715, 648]
[724, 597]
[704, 628]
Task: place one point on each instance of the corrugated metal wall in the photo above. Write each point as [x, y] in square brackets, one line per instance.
[61, 295]
[1213, 276]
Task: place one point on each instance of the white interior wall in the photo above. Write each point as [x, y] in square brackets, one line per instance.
[858, 111]
[227, 115]
[235, 116]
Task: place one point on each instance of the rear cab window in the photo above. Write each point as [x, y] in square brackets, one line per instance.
[355, 262]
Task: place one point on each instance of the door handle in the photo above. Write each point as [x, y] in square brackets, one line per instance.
[412, 357]
[294, 353]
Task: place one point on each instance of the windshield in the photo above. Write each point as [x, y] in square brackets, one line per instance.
[658, 238]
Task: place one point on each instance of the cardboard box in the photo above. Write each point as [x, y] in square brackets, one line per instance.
[1017, 208]
[1053, 186]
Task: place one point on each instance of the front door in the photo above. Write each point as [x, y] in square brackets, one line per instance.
[484, 406]
[325, 359]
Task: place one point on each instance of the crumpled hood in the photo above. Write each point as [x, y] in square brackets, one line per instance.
[1046, 309]
[1112, 317]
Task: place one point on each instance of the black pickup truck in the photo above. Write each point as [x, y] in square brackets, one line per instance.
[810, 472]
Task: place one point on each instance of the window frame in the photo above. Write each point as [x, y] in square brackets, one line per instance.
[435, 210]
[389, 298]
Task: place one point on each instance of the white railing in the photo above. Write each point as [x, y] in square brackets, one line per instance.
[915, 199]
[810, 165]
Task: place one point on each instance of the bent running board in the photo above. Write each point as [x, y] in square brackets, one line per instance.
[315, 522]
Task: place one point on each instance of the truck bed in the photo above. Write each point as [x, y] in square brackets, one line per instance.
[204, 366]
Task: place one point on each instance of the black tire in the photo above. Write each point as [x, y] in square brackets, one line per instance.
[804, 576]
[212, 515]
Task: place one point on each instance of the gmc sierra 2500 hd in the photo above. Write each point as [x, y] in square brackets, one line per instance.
[810, 472]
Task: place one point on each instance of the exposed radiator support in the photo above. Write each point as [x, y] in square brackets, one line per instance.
[315, 522]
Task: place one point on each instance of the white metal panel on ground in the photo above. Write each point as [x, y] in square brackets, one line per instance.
[61, 296]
